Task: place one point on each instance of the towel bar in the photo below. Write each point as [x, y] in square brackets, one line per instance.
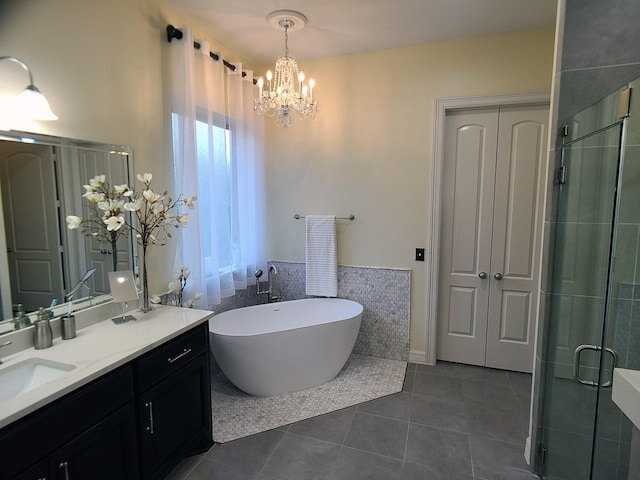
[297, 216]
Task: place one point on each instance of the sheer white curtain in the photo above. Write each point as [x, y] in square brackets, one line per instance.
[218, 156]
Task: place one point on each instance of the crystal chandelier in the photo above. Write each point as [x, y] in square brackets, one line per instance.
[286, 95]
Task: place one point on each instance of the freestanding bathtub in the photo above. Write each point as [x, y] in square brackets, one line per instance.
[277, 348]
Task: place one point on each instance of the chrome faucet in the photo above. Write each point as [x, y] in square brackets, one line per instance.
[269, 292]
[4, 345]
[272, 271]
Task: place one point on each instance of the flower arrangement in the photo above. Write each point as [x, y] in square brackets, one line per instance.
[154, 214]
[176, 289]
[106, 209]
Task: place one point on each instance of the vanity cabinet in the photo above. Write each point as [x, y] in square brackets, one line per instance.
[89, 433]
[137, 421]
[174, 402]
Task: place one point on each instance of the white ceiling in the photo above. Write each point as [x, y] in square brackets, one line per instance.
[337, 27]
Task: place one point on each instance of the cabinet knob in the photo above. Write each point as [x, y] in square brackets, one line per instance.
[498, 276]
[482, 275]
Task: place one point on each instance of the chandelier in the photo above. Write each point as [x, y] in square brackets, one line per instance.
[286, 95]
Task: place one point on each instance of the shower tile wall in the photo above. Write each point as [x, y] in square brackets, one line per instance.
[384, 293]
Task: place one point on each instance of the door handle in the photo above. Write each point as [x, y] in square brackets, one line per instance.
[576, 364]
[482, 275]
[149, 405]
[498, 276]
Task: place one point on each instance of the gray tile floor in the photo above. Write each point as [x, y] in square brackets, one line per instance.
[450, 422]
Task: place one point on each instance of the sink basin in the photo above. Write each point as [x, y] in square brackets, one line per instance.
[29, 374]
[626, 393]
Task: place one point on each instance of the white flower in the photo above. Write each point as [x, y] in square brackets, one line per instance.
[123, 190]
[174, 287]
[157, 209]
[183, 219]
[146, 178]
[114, 223]
[74, 222]
[189, 202]
[134, 206]
[185, 272]
[97, 181]
[151, 197]
[94, 197]
[192, 303]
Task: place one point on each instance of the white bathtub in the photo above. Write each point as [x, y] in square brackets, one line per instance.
[277, 348]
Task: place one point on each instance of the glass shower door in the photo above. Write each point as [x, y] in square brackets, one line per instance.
[578, 302]
[592, 313]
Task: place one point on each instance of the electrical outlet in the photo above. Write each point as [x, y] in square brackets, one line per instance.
[419, 254]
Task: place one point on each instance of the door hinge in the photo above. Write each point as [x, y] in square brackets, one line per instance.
[624, 106]
[562, 175]
[565, 130]
[542, 453]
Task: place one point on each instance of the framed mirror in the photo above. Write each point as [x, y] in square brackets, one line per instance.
[41, 260]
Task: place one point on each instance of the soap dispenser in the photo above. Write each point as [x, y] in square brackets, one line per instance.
[42, 335]
[21, 321]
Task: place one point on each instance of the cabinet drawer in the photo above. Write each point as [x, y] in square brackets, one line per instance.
[168, 358]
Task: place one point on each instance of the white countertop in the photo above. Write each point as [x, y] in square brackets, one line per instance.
[626, 393]
[96, 350]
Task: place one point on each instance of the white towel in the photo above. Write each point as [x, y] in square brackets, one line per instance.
[322, 256]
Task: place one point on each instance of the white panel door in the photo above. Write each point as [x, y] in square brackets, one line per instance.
[513, 292]
[466, 229]
[488, 267]
[30, 207]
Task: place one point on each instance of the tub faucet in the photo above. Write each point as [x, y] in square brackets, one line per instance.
[272, 271]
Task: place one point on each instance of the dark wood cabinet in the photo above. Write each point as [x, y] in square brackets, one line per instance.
[175, 418]
[106, 451]
[174, 402]
[138, 421]
[36, 440]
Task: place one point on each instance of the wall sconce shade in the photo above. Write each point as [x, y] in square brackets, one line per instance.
[30, 104]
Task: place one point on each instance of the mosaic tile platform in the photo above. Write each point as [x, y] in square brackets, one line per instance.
[237, 414]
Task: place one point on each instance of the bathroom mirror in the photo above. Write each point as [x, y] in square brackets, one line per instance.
[41, 260]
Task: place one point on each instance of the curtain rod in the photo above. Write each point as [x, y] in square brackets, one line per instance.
[173, 32]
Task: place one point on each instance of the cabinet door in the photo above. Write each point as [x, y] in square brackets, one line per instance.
[175, 417]
[107, 451]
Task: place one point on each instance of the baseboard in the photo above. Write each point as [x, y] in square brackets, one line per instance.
[527, 451]
[417, 356]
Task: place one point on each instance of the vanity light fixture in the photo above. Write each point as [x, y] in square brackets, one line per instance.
[286, 95]
[30, 104]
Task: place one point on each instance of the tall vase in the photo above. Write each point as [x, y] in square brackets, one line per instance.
[114, 255]
[145, 305]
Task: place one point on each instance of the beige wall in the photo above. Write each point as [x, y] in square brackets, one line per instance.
[103, 65]
[368, 152]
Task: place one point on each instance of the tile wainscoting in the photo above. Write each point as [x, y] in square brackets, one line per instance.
[384, 293]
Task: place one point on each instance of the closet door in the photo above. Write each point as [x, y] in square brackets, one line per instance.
[466, 230]
[488, 263]
[513, 291]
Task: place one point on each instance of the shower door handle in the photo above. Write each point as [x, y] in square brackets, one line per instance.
[576, 364]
